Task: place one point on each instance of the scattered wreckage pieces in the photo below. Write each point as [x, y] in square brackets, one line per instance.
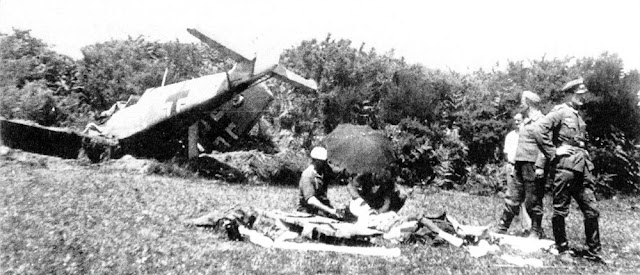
[255, 237]
[398, 229]
[483, 247]
[325, 226]
[525, 245]
[258, 238]
[312, 225]
[491, 244]
[274, 229]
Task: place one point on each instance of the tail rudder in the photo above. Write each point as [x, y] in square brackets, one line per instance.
[251, 66]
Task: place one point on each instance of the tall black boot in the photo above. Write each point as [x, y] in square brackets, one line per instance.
[559, 233]
[592, 234]
[508, 214]
[536, 228]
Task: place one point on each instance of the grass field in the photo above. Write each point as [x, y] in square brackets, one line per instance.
[62, 217]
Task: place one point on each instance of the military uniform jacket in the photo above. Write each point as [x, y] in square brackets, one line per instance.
[562, 126]
[312, 184]
[527, 148]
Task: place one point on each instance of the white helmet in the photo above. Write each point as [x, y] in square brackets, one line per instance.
[319, 153]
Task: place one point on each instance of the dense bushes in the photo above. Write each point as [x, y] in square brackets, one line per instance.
[429, 155]
[33, 102]
[416, 156]
[616, 162]
[441, 122]
[346, 77]
[37, 83]
[114, 70]
[478, 106]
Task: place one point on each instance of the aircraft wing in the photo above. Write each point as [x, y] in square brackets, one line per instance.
[31, 137]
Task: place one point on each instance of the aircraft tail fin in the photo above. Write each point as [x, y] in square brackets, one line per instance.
[251, 64]
[237, 53]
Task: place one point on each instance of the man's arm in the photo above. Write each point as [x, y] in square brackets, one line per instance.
[543, 135]
[308, 190]
[505, 148]
[353, 190]
[318, 204]
[507, 144]
[385, 205]
[510, 145]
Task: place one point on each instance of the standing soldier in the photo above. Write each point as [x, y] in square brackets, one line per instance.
[526, 156]
[561, 137]
[525, 187]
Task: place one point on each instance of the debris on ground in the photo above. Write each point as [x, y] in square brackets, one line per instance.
[483, 248]
[301, 231]
[522, 244]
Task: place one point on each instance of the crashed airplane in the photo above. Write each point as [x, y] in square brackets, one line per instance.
[168, 120]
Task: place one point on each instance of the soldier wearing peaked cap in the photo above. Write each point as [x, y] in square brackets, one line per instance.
[575, 86]
[561, 136]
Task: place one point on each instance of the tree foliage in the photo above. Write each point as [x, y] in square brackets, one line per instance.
[345, 75]
[442, 122]
[36, 82]
[114, 70]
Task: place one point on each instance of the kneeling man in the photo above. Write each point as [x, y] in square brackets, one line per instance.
[378, 191]
[313, 186]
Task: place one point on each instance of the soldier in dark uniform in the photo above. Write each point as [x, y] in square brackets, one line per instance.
[561, 136]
